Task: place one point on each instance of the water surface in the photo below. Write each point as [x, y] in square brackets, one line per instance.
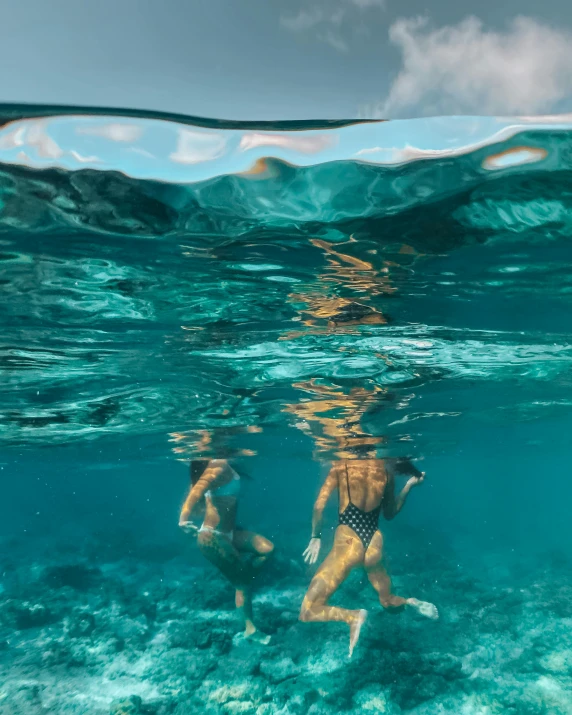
[285, 295]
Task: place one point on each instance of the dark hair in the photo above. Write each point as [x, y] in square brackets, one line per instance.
[362, 450]
[198, 468]
[402, 466]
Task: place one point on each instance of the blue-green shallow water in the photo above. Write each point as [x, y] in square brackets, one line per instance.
[285, 295]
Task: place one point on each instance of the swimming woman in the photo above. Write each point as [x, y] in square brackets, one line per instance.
[215, 486]
[366, 489]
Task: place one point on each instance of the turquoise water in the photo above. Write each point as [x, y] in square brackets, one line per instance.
[284, 296]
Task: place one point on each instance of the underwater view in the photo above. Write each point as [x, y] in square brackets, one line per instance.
[286, 415]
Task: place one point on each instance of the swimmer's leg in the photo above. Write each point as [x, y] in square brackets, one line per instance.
[379, 579]
[219, 550]
[346, 553]
[251, 543]
[378, 576]
[243, 601]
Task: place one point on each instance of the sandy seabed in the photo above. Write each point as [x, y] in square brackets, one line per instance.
[118, 629]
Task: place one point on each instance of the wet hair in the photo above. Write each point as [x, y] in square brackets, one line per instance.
[403, 467]
[198, 468]
[362, 451]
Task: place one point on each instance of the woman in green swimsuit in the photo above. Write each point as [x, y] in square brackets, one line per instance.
[215, 488]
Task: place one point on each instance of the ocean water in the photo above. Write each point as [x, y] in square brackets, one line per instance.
[284, 296]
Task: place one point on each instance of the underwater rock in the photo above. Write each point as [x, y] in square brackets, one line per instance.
[179, 672]
[136, 640]
[24, 615]
[197, 635]
[76, 576]
[129, 631]
[208, 591]
[372, 700]
[412, 691]
[134, 705]
[144, 605]
[80, 625]
[24, 698]
[558, 662]
[277, 671]
[229, 698]
[129, 706]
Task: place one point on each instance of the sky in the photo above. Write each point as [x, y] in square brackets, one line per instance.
[291, 59]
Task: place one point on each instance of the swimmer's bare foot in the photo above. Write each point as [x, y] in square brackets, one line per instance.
[355, 628]
[256, 636]
[424, 608]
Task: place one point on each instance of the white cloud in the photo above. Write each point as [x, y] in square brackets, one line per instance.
[115, 131]
[332, 23]
[304, 20]
[334, 40]
[312, 144]
[465, 69]
[194, 147]
[38, 137]
[368, 3]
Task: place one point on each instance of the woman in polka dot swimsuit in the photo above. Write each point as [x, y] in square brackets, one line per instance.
[366, 488]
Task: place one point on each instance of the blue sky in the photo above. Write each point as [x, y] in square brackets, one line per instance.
[291, 59]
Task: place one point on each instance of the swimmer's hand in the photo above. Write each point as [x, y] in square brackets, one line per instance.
[312, 551]
[188, 527]
[416, 481]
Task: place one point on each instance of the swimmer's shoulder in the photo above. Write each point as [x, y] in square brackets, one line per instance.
[224, 469]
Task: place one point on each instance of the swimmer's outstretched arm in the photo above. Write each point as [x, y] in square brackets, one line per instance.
[391, 504]
[328, 487]
[197, 491]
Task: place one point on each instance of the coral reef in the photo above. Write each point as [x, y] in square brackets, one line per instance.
[101, 632]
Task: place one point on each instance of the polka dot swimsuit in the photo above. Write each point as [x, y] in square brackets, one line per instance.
[364, 523]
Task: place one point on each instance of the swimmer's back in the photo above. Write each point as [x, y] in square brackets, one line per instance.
[363, 481]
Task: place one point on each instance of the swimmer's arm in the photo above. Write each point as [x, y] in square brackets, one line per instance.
[392, 505]
[328, 488]
[198, 490]
[313, 549]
